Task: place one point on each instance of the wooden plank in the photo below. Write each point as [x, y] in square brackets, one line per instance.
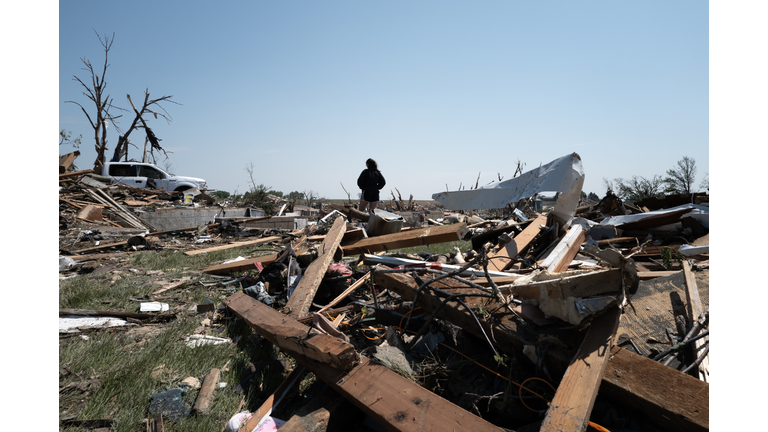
[171, 286]
[204, 399]
[266, 408]
[565, 251]
[100, 247]
[417, 237]
[301, 299]
[75, 174]
[695, 310]
[508, 335]
[346, 292]
[575, 396]
[390, 399]
[395, 402]
[315, 416]
[233, 245]
[502, 258]
[578, 285]
[91, 213]
[155, 424]
[645, 275]
[290, 334]
[674, 401]
[116, 314]
[243, 265]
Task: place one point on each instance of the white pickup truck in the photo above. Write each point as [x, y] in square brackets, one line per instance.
[144, 175]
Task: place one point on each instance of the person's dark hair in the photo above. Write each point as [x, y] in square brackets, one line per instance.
[371, 164]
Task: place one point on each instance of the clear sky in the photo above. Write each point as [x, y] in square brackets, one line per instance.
[436, 91]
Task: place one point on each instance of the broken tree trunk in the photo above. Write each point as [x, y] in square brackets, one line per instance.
[301, 299]
[575, 396]
[695, 311]
[501, 259]
[290, 334]
[417, 237]
[391, 400]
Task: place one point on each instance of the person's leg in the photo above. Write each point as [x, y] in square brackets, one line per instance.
[361, 207]
[373, 205]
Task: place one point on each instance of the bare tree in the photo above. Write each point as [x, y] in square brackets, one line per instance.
[168, 166]
[96, 92]
[705, 183]
[310, 196]
[679, 180]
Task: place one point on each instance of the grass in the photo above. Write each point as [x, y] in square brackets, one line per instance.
[110, 373]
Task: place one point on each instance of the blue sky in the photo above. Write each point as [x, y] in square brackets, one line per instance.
[436, 91]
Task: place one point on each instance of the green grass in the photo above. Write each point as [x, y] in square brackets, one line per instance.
[440, 248]
[118, 364]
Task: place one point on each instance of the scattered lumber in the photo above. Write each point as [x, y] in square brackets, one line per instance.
[672, 400]
[234, 245]
[565, 251]
[301, 299]
[501, 259]
[155, 424]
[315, 416]
[417, 237]
[390, 399]
[291, 335]
[243, 265]
[266, 408]
[74, 174]
[575, 396]
[204, 399]
[116, 314]
[695, 312]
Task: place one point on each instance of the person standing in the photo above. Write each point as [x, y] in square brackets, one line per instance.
[371, 181]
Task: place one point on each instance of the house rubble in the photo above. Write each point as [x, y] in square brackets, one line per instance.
[561, 317]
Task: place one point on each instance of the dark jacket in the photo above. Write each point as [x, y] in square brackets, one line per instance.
[371, 180]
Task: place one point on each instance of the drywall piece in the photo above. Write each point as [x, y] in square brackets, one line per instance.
[564, 175]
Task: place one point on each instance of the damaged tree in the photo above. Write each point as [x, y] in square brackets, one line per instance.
[96, 92]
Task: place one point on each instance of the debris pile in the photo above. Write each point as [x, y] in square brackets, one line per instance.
[558, 320]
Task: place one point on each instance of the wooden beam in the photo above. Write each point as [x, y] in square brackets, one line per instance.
[315, 416]
[346, 292]
[233, 245]
[301, 299]
[565, 251]
[390, 399]
[501, 259]
[243, 265]
[266, 408]
[395, 402]
[410, 238]
[290, 334]
[155, 424]
[504, 326]
[116, 314]
[695, 311]
[204, 399]
[646, 275]
[575, 396]
[585, 284]
[75, 174]
[674, 401]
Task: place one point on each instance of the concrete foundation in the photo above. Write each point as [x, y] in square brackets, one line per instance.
[169, 219]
